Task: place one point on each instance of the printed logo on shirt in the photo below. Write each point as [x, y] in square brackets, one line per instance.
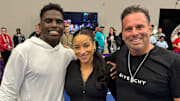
[137, 81]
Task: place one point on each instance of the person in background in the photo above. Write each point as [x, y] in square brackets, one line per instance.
[152, 37]
[119, 41]
[95, 31]
[145, 72]
[87, 78]
[154, 30]
[36, 68]
[66, 38]
[36, 33]
[176, 44]
[162, 43]
[111, 40]
[159, 33]
[18, 37]
[6, 45]
[100, 39]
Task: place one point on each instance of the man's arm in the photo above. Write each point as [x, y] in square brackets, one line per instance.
[13, 77]
[174, 45]
[112, 78]
[112, 74]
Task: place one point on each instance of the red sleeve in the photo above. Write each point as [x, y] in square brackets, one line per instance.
[175, 42]
[3, 46]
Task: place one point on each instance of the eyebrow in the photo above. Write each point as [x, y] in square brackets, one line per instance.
[82, 43]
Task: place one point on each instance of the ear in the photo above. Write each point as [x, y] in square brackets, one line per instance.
[150, 29]
[39, 26]
[94, 43]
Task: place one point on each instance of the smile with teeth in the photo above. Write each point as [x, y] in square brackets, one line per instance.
[83, 57]
[53, 32]
[136, 40]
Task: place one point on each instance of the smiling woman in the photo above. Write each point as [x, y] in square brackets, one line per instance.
[87, 77]
[84, 48]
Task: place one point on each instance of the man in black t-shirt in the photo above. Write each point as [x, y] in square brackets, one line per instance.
[18, 37]
[36, 33]
[145, 72]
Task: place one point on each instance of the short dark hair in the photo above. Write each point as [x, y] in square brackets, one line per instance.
[161, 37]
[51, 6]
[3, 28]
[178, 33]
[152, 26]
[18, 29]
[135, 9]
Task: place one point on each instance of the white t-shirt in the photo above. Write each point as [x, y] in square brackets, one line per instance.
[162, 44]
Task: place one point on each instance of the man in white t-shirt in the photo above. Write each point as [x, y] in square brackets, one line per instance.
[162, 43]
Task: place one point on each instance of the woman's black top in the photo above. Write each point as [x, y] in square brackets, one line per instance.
[80, 91]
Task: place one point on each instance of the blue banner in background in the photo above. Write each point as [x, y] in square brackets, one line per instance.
[109, 97]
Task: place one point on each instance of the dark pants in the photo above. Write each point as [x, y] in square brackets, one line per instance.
[109, 48]
[5, 56]
[1, 70]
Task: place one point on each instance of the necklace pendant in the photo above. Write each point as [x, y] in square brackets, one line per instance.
[132, 79]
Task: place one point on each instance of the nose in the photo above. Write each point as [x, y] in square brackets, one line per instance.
[134, 32]
[82, 50]
[54, 23]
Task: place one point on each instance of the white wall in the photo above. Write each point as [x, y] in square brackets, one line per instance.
[25, 13]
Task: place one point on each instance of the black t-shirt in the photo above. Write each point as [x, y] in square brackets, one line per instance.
[157, 80]
[34, 34]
